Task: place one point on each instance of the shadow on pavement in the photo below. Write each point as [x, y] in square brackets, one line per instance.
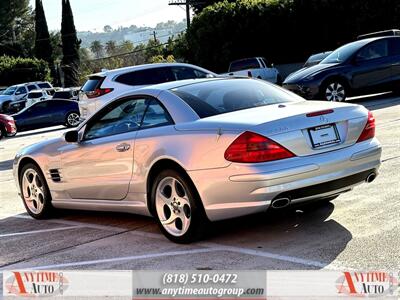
[6, 165]
[30, 133]
[304, 232]
[374, 102]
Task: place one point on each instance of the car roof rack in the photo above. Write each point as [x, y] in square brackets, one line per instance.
[391, 32]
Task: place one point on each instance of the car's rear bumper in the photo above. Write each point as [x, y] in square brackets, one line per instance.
[242, 189]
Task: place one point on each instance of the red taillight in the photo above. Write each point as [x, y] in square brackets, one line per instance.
[251, 147]
[98, 92]
[369, 129]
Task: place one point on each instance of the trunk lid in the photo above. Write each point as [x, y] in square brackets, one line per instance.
[290, 125]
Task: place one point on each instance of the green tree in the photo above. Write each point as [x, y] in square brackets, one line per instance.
[16, 28]
[125, 47]
[97, 48]
[153, 48]
[200, 5]
[43, 46]
[111, 48]
[71, 45]
[107, 28]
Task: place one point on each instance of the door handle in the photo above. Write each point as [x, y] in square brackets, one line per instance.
[123, 147]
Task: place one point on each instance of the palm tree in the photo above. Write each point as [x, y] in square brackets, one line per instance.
[97, 48]
[111, 48]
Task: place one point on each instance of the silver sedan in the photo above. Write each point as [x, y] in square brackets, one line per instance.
[194, 151]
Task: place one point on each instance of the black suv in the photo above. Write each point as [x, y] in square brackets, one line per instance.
[361, 67]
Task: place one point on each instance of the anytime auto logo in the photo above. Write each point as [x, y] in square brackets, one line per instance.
[35, 283]
[366, 284]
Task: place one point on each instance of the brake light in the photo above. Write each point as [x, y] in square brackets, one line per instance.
[319, 113]
[98, 92]
[369, 129]
[251, 147]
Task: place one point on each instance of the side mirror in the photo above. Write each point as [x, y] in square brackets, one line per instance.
[71, 136]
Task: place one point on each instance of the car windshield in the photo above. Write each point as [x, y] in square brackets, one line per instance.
[212, 98]
[342, 54]
[10, 91]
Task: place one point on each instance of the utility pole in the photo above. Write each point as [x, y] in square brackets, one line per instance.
[154, 35]
[187, 4]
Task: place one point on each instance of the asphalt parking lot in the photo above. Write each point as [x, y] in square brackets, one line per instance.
[359, 230]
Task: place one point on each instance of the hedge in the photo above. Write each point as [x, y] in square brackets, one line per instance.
[14, 70]
[284, 31]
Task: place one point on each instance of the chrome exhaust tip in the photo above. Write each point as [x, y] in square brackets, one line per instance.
[371, 177]
[280, 203]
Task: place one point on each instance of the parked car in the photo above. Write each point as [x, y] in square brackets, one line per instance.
[256, 67]
[361, 67]
[195, 150]
[67, 93]
[36, 96]
[2, 89]
[315, 59]
[19, 91]
[7, 126]
[102, 87]
[47, 113]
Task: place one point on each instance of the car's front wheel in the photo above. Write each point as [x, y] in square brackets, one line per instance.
[334, 90]
[72, 119]
[35, 192]
[177, 207]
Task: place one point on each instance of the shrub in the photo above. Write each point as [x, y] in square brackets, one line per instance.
[284, 31]
[14, 70]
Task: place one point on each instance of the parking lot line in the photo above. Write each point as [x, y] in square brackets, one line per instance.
[38, 231]
[210, 246]
[125, 258]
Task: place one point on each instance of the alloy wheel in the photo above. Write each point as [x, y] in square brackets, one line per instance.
[173, 206]
[73, 119]
[335, 92]
[33, 191]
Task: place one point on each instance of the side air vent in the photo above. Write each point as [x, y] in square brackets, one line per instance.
[55, 175]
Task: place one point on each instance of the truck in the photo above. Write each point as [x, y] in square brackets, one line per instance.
[255, 67]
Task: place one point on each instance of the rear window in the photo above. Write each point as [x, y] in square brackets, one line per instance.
[62, 95]
[244, 64]
[44, 85]
[92, 83]
[35, 95]
[146, 77]
[212, 98]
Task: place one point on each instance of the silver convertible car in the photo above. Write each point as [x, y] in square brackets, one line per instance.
[194, 151]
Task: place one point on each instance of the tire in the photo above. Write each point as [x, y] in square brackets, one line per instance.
[72, 119]
[179, 212]
[35, 193]
[279, 80]
[335, 90]
[3, 132]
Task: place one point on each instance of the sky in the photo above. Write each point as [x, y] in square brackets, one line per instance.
[93, 15]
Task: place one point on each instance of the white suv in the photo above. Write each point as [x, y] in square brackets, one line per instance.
[19, 91]
[100, 88]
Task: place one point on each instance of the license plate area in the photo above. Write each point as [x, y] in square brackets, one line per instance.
[324, 135]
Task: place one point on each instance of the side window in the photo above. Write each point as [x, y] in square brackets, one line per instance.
[31, 87]
[182, 73]
[20, 90]
[146, 77]
[395, 46]
[375, 50]
[120, 117]
[155, 116]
